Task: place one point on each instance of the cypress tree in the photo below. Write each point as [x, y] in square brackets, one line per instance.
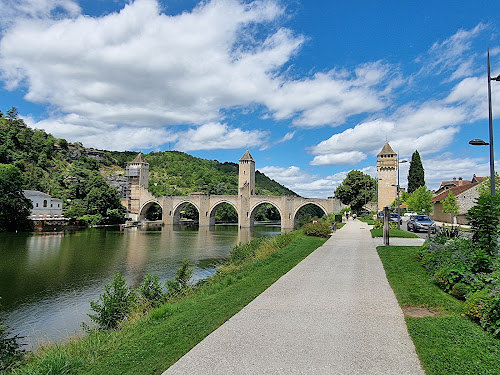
[416, 174]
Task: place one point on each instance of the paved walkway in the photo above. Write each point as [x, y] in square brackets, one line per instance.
[334, 313]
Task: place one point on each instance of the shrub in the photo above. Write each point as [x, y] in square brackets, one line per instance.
[117, 301]
[447, 277]
[448, 232]
[475, 304]
[180, 284]
[244, 251]
[11, 352]
[151, 290]
[490, 319]
[460, 290]
[379, 224]
[319, 229]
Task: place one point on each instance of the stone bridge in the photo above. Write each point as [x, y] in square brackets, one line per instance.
[245, 204]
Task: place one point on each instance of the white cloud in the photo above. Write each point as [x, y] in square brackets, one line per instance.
[350, 157]
[286, 137]
[219, 136]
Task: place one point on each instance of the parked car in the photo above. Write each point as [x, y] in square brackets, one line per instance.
[396, 218]
[419, 223]
[408, 214]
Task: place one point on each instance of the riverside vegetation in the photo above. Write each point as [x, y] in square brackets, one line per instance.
[144, 331]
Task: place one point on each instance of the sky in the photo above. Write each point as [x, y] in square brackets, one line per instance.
[313, 89]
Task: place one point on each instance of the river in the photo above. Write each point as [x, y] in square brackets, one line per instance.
[48, 279]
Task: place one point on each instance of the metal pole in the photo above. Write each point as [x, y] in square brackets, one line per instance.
[492, 157]
[399, 202]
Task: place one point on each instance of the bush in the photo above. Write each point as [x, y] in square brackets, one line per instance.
[379, 224]
[151, 290]
[483, 218]
[460, 290]
[490, 319]
[10, 349]
[475, 304]
[319, 229]
[117, 302]
[180, 284]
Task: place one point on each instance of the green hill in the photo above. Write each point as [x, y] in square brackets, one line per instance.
[74, 173]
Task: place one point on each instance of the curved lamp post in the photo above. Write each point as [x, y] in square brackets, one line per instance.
[480, 142]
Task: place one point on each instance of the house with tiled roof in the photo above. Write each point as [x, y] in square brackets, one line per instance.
[465, 194]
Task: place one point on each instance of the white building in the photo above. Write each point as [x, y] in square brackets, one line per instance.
[44, 206]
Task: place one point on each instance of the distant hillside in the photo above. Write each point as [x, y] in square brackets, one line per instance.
[177, 173]
[69, 170]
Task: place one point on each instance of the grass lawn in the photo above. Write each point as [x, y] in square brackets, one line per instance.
[447, 344]
[393, 233]
[153, 343]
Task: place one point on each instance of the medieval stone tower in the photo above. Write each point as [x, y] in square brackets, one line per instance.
[387, 168]
[246, 178]
[137, 172]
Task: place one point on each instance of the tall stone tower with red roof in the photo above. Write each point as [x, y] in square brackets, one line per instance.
[387, 168]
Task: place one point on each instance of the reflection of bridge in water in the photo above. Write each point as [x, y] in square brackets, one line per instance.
[245, 204]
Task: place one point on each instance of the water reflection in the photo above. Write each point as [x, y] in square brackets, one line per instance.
[47, 280]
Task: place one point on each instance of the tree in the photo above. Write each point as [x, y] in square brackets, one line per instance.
[420, 201]
[450, 205]
[483, 219]
[416, 174]
[15, 208]
[357, 189]
[484, 187]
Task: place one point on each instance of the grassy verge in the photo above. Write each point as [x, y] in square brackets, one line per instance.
[367, 221]
[153, 343]
[393, 233]
[448, 343]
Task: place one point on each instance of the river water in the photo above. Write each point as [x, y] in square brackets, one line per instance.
[48, 279]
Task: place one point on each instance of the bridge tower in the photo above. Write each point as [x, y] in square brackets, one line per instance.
[246, 179]
[387, 167]
[137, 172]
[246, 189]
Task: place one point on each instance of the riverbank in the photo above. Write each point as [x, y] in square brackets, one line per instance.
[153, 343]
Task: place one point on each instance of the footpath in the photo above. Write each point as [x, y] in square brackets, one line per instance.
[334, 313]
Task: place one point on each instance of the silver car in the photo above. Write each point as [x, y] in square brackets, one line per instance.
[419, 223]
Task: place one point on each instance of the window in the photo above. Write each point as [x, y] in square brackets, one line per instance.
[45, 203]
[37, 204]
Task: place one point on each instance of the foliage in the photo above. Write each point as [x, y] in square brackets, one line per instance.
[400, 233]
[450, 205]
[416, 174]
[356, 189]
[11, 352]
[180, 285]
[15, 208]
[245, 251]
[319, 229]
[420, 201]
[379, 224]
[484, 187]
[483, 219]
[151, 290]
[115, 304]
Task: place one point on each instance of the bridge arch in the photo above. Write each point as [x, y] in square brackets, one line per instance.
[146, 206]
[214, 207]
[304, 204]
[176, 212]
[251, 213]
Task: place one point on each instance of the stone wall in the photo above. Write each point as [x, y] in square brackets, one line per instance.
[465, 201]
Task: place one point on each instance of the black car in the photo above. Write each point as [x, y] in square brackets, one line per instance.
[417, 223]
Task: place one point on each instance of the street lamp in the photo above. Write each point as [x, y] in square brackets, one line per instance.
[480, 142]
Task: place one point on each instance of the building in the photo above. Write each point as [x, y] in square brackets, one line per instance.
[387, 168]
[45, 207]
[466, 192]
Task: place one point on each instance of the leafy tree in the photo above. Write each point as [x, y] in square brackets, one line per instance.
[154, 212]
[420, 201]
[15, 208]
[484, 187]
[356, 189]
[483, 219]
[102, 198]
[416, 174]
[450, 205]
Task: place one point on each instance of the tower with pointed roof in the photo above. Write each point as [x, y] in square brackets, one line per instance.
[246, 178]
[138, 172]
[387, 168]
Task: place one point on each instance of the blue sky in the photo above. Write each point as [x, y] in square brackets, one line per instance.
[312, 88]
